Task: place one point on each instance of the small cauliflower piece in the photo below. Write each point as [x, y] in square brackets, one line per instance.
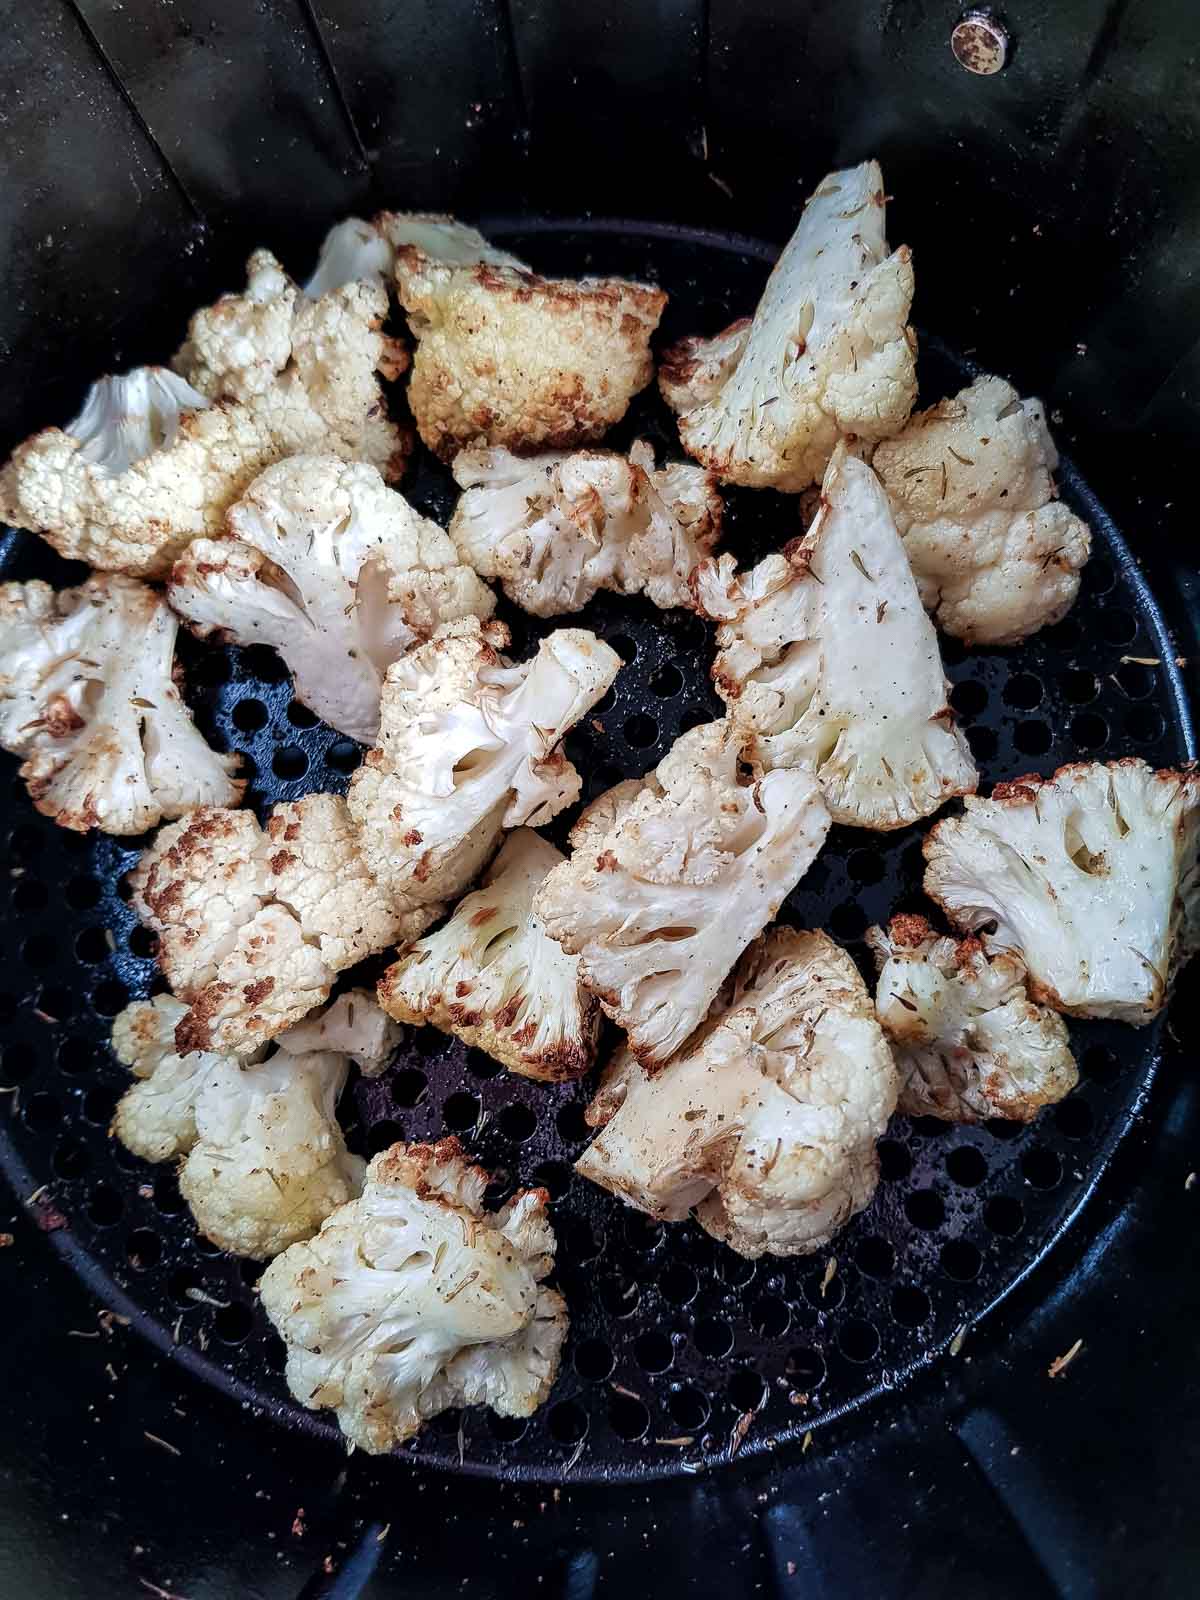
[995, 555]
[354, 1026]
[353, 251]
[336, 572]
[1091, 876]
[156, 1116]
[968, 1041]
[555, 528]
[492, 976]
[255, 925]
[828, 659]
[510, 358]
[829, 352]
[88, 699]
[766, 1124]
[690, 866]
[470, 745]
[413, 1299]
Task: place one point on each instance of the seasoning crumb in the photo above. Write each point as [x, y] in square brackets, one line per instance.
[807, 1442]
[381, 1536]
[162, 1444]
[163, 1594]
[830, 1273]
[6, 1239]
[791, 1569]
[960, 1335]
[298, 1528]
[1188, 1183]
[683, 1440]
[1060, 1363]
[1142, 661]
[740, 1429]
[619, 1388]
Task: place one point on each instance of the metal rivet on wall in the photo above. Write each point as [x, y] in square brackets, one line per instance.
[980, 43]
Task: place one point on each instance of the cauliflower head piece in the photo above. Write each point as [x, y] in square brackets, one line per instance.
[89, 700]
[470, 745]
[670, 880]
[968, 1041]
[555, 528]
[335, 571]
[766, 1123]
[413, 1299]
[827, 657]
[492, 976]
[829, 353]
[1090, 876]
[156, 1116]
[255, 924]
[510, 358]
[995, 555]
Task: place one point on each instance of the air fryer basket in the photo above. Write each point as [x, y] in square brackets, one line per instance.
[1051, 211]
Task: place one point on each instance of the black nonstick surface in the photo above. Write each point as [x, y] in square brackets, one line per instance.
[681, 1353]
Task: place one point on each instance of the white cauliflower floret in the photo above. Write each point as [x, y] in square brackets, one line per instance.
[828, 659]
[967, 1039]
[691, 867]
[767, 1123]
[413, 1299]
[326, 349]
[1090, 876]
[995, 555]
[336, 572]
[354, 1026]
[470, 745]
[88, 698]
[510, 358]
[493, 977]
[828, 353]
[556, 528]
[255, 925]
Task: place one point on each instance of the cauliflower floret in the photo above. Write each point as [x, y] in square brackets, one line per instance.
[995, 555]
[255, 925]
[414, 1299]
[767, 1123]
[492, 976]
[829, 352]
[968, 1041]
[693, 865]
[470, 746]
[556, 528]
[328, 347]
[828, 658]
[352, 251]
[88, 698]
[1090, 876]
[354, 1026]
[143, 1034]
[334, 570]
[510, 358]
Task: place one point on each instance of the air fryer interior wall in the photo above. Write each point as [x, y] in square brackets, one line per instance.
[1051, 241]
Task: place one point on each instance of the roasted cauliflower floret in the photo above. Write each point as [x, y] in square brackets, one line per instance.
[995, 555]
[353, 251]
[89, 700]
[828, 659]
[469, 745]
[493, 977]
[968, 1041]
[354, 1026]
[414, 1299]
[829, 353]
[1090, 876]
[334, 570]
[766, 1124]
[510, 358]
[254, 925]
[556, 528]
[691, 867]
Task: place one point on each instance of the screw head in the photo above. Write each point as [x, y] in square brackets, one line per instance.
[980, 44]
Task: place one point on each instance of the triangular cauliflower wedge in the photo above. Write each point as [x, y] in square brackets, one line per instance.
[334, 570]
[829, 353]
[827, 658]
[469, 745]
[995, 555]
[766, 1123]
[492, 976]
[671, 879]
[414, 1299]
[555, 528]
[1090, 876]
[968, 1041]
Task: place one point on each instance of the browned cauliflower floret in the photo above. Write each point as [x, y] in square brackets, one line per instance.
[767, 1122]
[414, 1299]
[969, 1042]
[89, 700]
[829, 353]
[510, 358]
[995, 555]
